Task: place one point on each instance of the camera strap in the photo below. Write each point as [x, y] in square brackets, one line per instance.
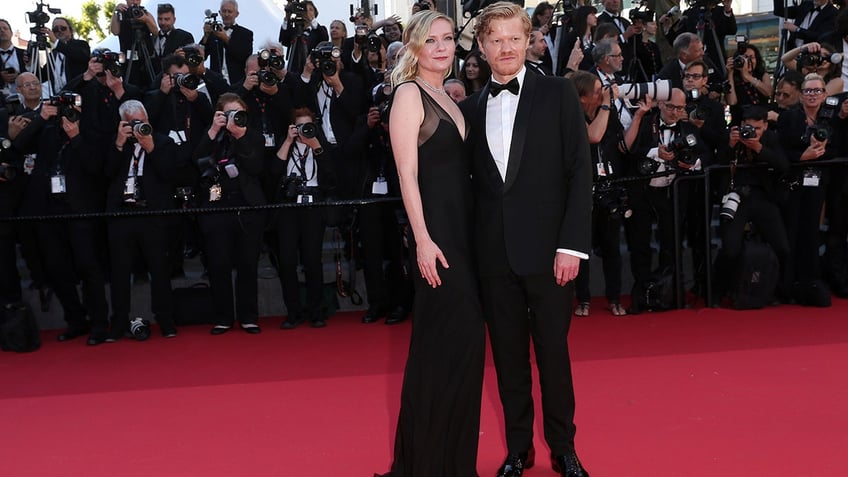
[300, 160]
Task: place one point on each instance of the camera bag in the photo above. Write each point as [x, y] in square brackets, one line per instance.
[18, 328]
[193, 305]
[656, 293]
[756, 276]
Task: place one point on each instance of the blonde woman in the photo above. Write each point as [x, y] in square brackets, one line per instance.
[439, 416]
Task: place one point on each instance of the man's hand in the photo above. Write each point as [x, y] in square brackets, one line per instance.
[236, 131]
[71, 128]
[734, 136]
[48, 111]
[565, 268]
[124, 132]
[269, 90]
[190, 94]
[219, 121]
[167, 84]
[664, 153]
[16, 125]
[789, 26]
[373, 118]
[250, 81]
[753, 144]
[575, 57]
[115, 83]
[146, 142]
[94, 68]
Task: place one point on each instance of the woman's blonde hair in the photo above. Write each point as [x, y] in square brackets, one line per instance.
[414, 36]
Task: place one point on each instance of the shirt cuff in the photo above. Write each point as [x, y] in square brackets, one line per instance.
[575, 253]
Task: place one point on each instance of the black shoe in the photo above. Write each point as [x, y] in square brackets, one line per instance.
[568, 465]
[515, 464]
[292, 322]
[72, 332]
[190, 252]
[318, 323]
[251, 328]
[97, 337]
[373, 315]
[396, 316]
[168, 331]
[219, 329]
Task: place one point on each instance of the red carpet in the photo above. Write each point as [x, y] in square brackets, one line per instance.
[685, 393]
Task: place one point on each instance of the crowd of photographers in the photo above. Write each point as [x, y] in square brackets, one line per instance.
[303, 120]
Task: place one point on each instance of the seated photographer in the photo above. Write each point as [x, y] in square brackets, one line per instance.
[230, 158]
[787, 96]
[227, 45]
[169, 38]
[301, 229]
[807, 135]
[12, 59]
[816, 58]
[754, 193]
[139, 170]
[712, 20]
[807, 21]
[213, 84]
[67, 178]
[69, 56]
[750, 83]
[301, 31]
[136, 28]
[688, 48]
[611, 202]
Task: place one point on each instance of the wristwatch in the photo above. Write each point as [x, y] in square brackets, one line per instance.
[605, 107]
[318, 151]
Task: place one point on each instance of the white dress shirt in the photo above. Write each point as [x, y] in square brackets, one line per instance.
[310, 168]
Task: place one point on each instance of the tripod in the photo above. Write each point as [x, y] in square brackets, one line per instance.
[296, 52]
[139, 48]
[636, 67]
[42, 64]
[705, 22]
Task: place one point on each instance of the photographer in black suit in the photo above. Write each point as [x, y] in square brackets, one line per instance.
[810, 21]
[67, 179]
[712, 21]
[169, 37]
[229, 46]
[213, 84]
[69, 56]
[136, 28]
[12, 59]
[301, 35]
[10, 196]
[139, 169]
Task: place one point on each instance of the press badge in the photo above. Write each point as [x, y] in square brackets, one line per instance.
[304, 199]
[811, 178]
[215, 193]
[57, 184]
[131, 55]
[602, 171]
[29, 164]
[179, 137]
[129, 190]
[380, 186]
[269, 140]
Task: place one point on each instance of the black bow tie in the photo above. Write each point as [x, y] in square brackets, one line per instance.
[816, 9]
[7, 52]
[228, 28]
[163, 35]
[496, 88]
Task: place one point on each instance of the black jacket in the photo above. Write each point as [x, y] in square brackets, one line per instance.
[155, 182]
[248, 154]
[824, 23]
[344, 109]
[236, 52]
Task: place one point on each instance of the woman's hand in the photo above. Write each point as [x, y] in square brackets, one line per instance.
[428, 255]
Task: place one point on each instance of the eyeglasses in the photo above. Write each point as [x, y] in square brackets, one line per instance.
[672, 107]
[57, 29]
[812, 91]
[30, 84]
[615, 56]
[694, 76]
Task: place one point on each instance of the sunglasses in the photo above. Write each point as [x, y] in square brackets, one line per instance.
[57, 29]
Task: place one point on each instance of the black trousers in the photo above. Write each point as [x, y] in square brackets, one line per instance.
[301, 234]
[72, 250]
[650, 204]
[518, 308]
[10, 280]
[148, 237]
[606, 242]
[381, 238]
[836, 257]
[801, 216]
[233, 241]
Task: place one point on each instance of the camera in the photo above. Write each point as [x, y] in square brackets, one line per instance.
[186, 80]
[193, 56]
[140, 127]
[7, 171]
[211, 170]
[307, 130]
[111, 60]
[67, 103]
[819, 131]
[268, 59]
[746, 131]
[742, 46]
[324, 58]
[296, 13]
[720, 88]
[239, 118]
[367, 40]
[830, 108]
[729, 205]
[268, 78]
[39, 18]
[212, 20]
[683, 148]
[694, 105]
[809, 59]
[293, 185]
[140, 328]
[614, 200]
[659, 90]
[641, 13]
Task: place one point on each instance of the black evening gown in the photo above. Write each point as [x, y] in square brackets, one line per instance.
[439, 419]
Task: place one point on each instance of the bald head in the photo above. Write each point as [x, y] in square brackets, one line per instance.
[29, 87]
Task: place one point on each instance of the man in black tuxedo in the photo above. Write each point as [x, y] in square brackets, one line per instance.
[535, 54]
[811, 20]
[213, 84]
[12, 59]
[169, 38]
[712, 23]
[533, 194]
[136, 28]
[301, 38]
[688, 48]
[69, 56]
[228, 48]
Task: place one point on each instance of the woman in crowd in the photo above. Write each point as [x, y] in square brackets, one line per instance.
[338, 33]
[438, 425]
[230, 158]
[749, 81]
[584, 21]
[475, 72]
[831, 72]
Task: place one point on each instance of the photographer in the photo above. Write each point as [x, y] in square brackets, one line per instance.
[807, 21]
[69, 56]
[12, 59]
[67, 178]
[230, 156]
[169, 37]
[807, 135]
[139, 170]
[135, 28]
[10, 197]
[579, 38]
[301, 32]
[817, 58]
[301, 229]
[756, 190]
[705, 113]
[787, 96]
[750, 83]
[688, 48]
[213, 84]
[712, 20]
[226, 44]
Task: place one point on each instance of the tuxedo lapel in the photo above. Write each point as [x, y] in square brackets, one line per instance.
[519, 129]
[485, 151]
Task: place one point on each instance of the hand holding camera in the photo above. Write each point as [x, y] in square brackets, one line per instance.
[747, 135]
[236, 123]
[815, 150]
[16, 125]
[49, 111]
[71, 128]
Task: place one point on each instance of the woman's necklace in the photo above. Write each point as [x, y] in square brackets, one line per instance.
[430, 87]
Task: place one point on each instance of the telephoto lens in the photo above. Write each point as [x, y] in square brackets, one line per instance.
[140, 328]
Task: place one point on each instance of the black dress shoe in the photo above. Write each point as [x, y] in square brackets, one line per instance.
[318, 323]
[97, 337]
[515, 464]
[251, 328]
[72, 332]
[219, 329]
[373, 315]
[568, 465]
[292, 322]
[396, 316]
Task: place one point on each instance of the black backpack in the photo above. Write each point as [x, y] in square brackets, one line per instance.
[756, 276]
[18, 328]
[656, 293]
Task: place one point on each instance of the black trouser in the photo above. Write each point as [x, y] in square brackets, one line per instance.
[506, 301]
[381, 237]
[10, 280]
[72, 250]
[801, 216]
[836, 262]
[127, 238]
[606, 242]
[233, 242]
[649, 204]
[301, 232]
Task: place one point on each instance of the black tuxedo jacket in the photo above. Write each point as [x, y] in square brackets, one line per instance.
[824, 23]
[155, 182]
[176, 39]
[648, 139]
[605, 17]
[77, 53]
[545, 202]
[674, 73]
[20, 53]
[248, 153]
[344, 109]
[538, 68]
[236, 52]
